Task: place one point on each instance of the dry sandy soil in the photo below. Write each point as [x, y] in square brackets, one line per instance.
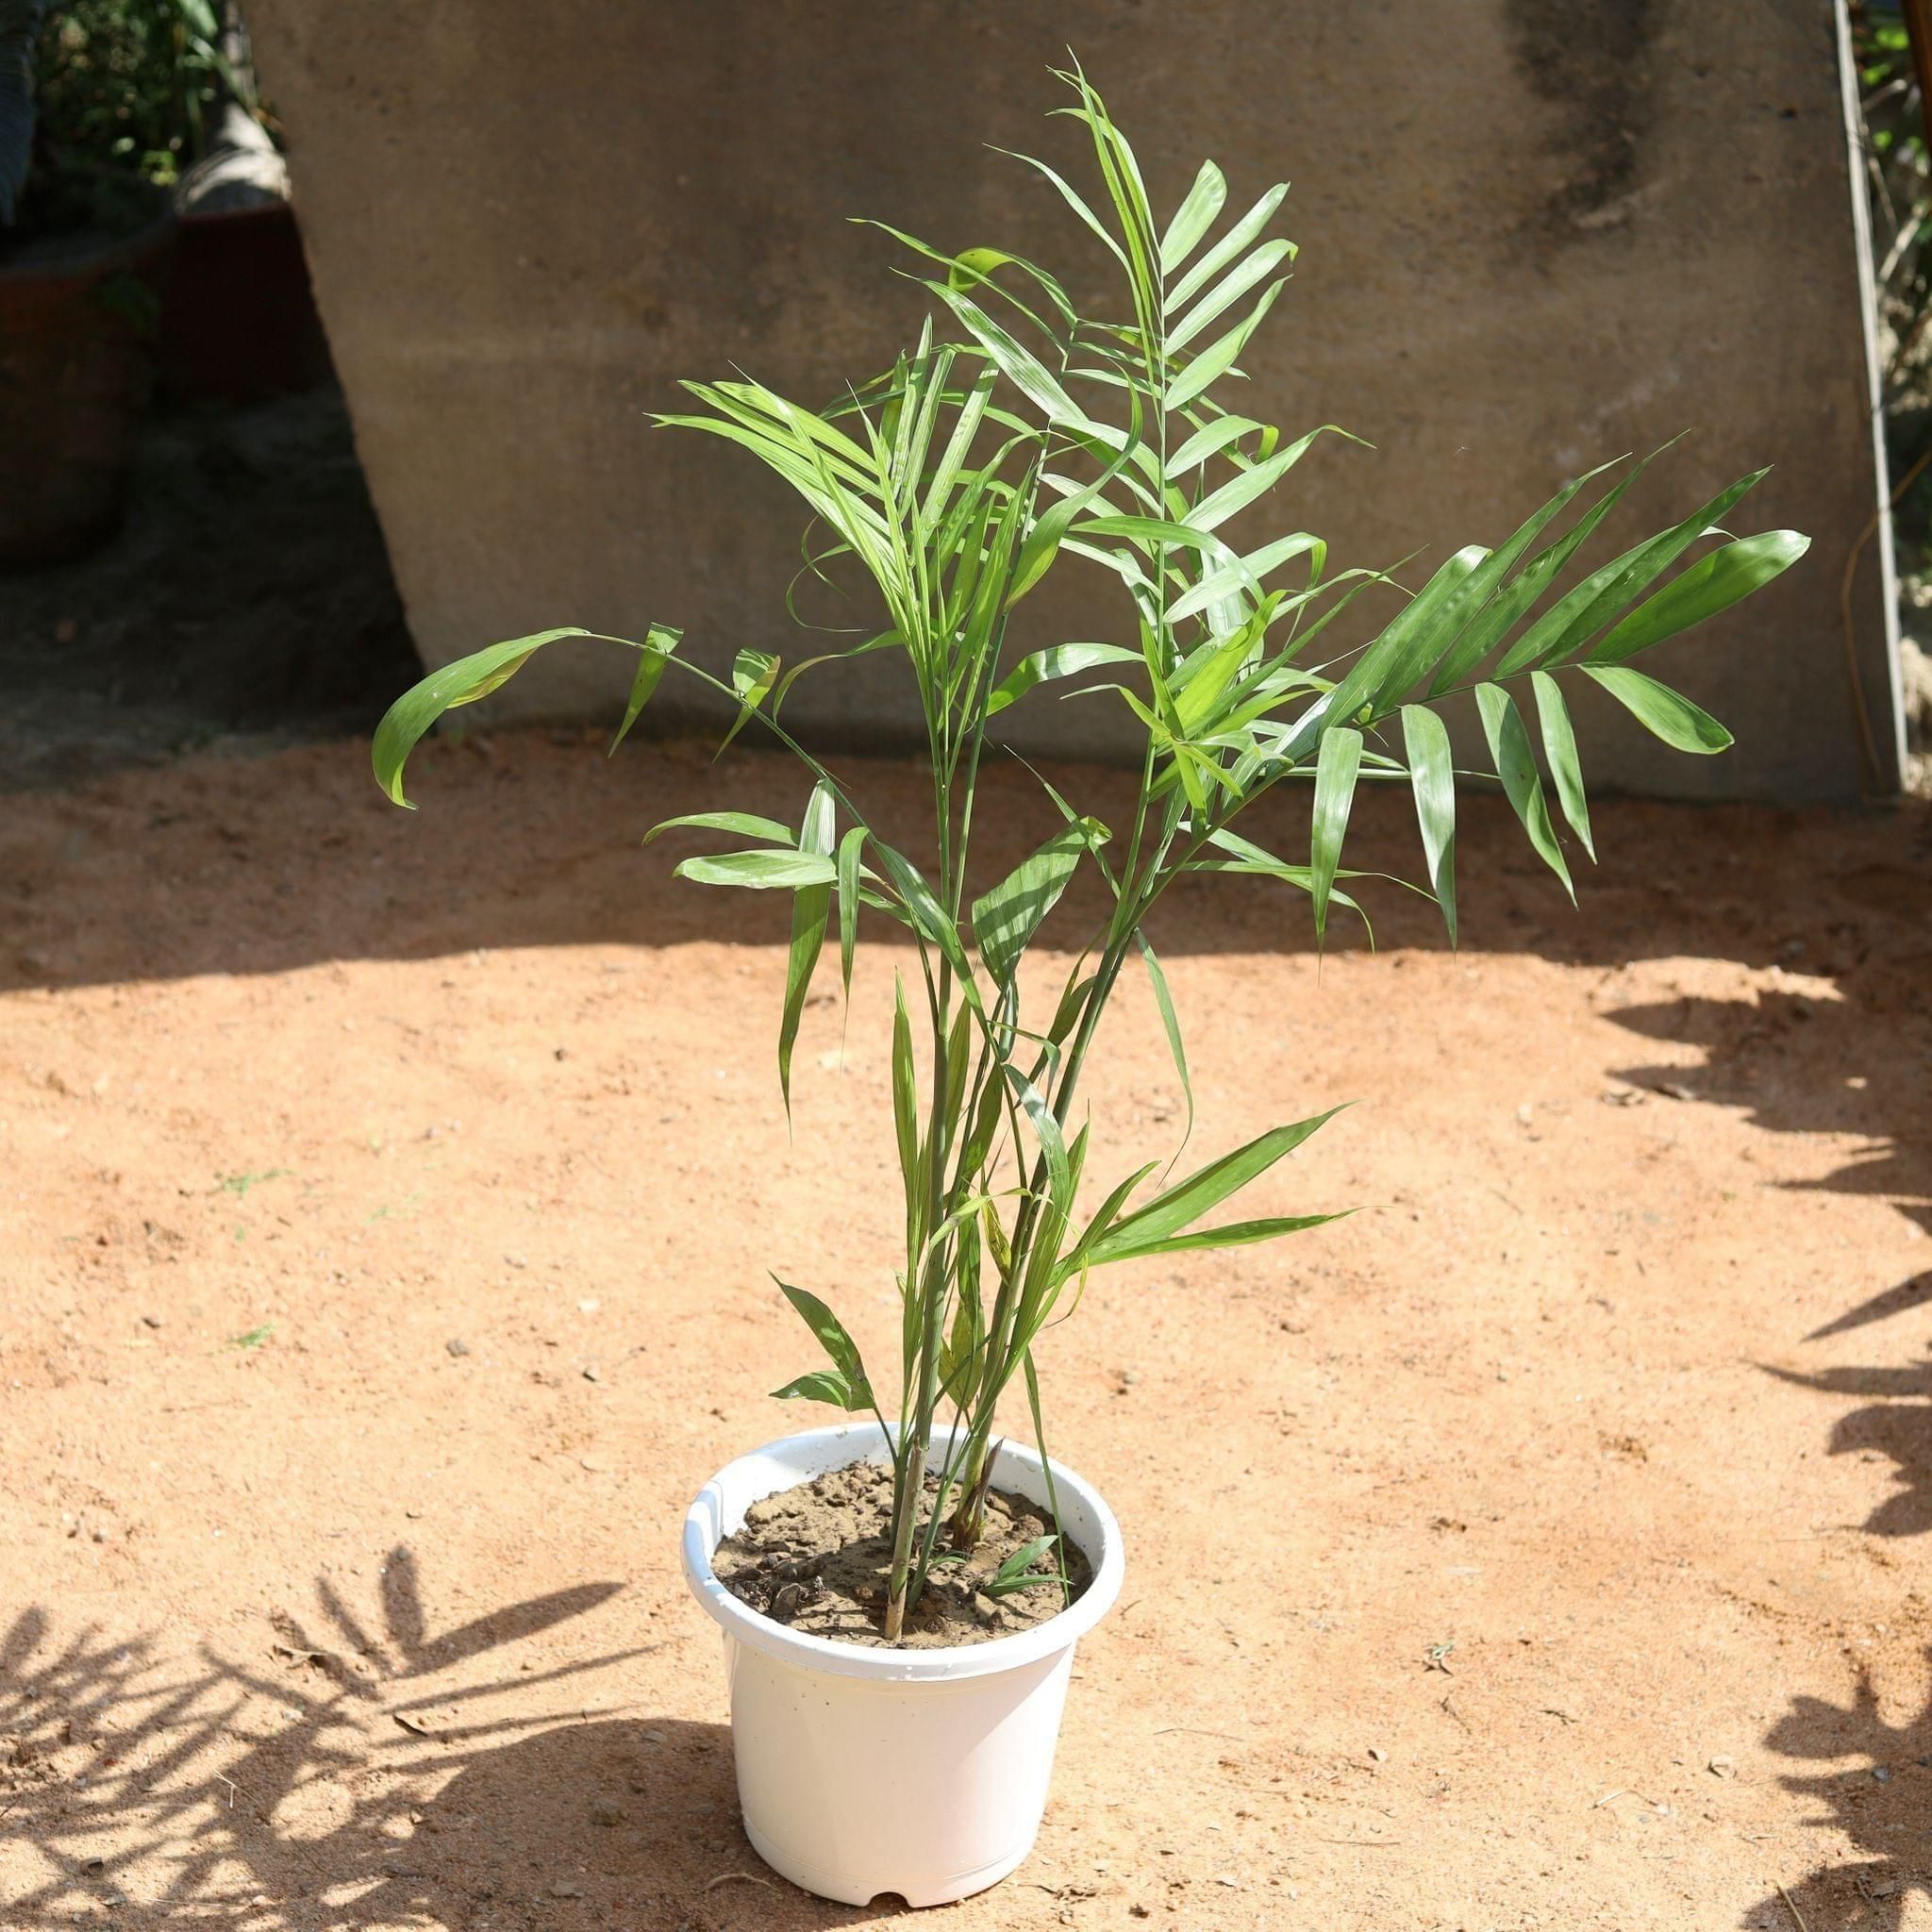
[388, 1207]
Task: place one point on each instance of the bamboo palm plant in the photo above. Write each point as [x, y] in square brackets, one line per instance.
[1017, 433]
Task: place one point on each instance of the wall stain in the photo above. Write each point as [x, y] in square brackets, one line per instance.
[1591, 62]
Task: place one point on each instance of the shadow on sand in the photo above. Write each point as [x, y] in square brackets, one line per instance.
[359, 1778]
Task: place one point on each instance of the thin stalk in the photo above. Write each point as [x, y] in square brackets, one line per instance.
[968, 1522]
[909, 1484]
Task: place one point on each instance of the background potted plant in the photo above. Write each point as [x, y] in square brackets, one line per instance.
[102, 105]
[1018, 432]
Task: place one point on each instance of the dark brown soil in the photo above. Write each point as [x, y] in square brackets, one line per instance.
[819, 1557]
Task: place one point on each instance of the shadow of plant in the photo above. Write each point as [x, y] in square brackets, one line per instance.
[1859, 1064]
[360, 1780]
[1896, 1426]
[1881, 1804]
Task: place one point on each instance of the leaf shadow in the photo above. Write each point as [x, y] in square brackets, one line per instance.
[1881, 1802]
[355, 1780]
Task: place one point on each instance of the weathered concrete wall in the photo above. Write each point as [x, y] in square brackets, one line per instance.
[1534, 233]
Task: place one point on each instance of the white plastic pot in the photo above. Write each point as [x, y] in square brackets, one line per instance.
[862, 1770]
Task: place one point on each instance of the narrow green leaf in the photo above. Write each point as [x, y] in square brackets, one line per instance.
[1467, 627]
[1521, 782]
[1574, 618]
[1046, 1128]
[1712, 584]
[1415, 639]
[759, 871]
[1224, 251]
[1258, 479]
[811, 907]
[1246, 572]
[972, 267]
[1524, 591]
[1372, 678]
[1163, 999]
[851, 851]
[1667, 714]
[1202, 680]
[1337, 764]
[1227, 291]
[748, 823]
[929, 918]
[660, 641]
[1057, 660]
[1176, 1207]
[1053, 1501]
[824, 1385]
[1017, 1571]
[1237, 1234]
[1560, 747]
[1218, 357]
[1193, 218]
[1016, 362]
[462, 682]
[960, 1351]
[1432, 779]
[1213, 438]
[1071, 199]
[1104, 1219]
[753, 674]
[1152, 532]
[1043, 542]
[1006, 918]
[848, 1387]
[905, 1115]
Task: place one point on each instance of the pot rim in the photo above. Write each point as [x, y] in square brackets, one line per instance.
[703, 1530]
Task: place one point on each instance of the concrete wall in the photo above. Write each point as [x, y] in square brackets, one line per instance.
[1535, 233]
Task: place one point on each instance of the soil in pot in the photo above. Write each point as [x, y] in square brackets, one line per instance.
[818, 1559]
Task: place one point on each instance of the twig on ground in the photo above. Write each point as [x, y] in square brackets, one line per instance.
[749, 1877]
[1791, 1907]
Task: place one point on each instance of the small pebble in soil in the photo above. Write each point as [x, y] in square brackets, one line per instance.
[589, 1372]
[606, 1811]
[789, 1599]
[457, 1345]
[152, 1320]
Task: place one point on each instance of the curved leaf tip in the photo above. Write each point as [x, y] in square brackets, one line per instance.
[462, 682]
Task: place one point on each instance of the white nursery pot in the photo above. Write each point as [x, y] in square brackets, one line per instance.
[863, 1770]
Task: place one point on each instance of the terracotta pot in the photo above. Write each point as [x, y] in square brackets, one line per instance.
[239, 322]
[863, 1770]
[75, 325]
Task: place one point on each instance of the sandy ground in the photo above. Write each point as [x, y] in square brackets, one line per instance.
[388, 1202]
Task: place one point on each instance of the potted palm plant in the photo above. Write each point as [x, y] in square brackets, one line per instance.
[906, 1588]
